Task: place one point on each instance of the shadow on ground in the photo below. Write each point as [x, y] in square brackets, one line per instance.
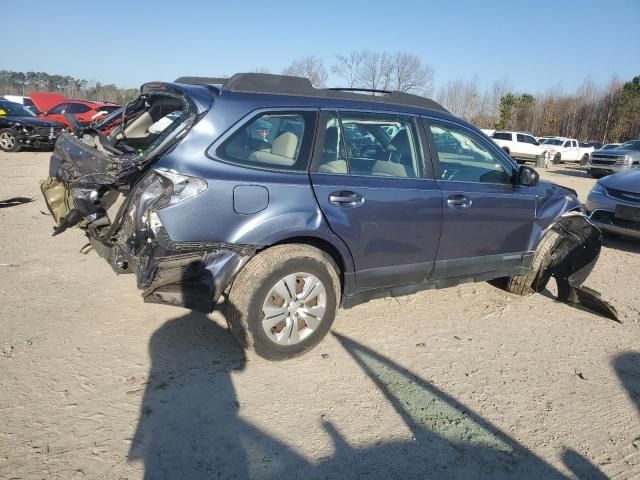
[623, 244]
[627, 366]
[189, 427]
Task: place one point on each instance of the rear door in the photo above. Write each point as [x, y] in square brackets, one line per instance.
[487, 221]
[370, 181]
[82, 113]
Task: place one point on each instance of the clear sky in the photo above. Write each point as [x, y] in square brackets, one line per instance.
[535, 45]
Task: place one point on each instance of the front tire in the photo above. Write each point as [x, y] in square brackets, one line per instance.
[284, 301]
[8, 141]
[557, 159]
[535, 280]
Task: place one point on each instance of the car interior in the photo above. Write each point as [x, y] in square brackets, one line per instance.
[462, 159]
[374, 147]
[271, 139]
[144, 124]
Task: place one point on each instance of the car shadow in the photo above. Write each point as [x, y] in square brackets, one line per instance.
[571, 172]
[623, 244]
[190, 425]
[627, 367]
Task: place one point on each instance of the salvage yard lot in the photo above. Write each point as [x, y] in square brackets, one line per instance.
[465, 382]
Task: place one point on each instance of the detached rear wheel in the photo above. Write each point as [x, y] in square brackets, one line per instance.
[8, 141]
[284, 301]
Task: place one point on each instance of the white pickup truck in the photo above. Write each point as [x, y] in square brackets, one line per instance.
[522, 147]
[567, 150]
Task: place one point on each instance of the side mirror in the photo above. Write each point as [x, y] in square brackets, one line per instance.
[527, 176]
[46, 112]
[3, 113]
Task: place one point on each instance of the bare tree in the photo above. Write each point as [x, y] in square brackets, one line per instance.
[400, 71]
[310, 67]
[375, 71]
[347, 67]
[410, 74]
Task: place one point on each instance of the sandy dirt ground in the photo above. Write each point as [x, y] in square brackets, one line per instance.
[469, 382]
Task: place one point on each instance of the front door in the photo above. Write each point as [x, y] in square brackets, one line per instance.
[371, 184]
[487, 220]
[56, 114]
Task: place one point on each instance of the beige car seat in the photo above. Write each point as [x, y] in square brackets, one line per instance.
[283, 151]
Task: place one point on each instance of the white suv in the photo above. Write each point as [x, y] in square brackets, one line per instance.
[521, 146]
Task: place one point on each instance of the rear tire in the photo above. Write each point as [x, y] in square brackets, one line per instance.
[8, 141]
[269, 308]
[532, 282]
[584, 160]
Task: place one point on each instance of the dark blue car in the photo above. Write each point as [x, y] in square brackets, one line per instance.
[289, 201]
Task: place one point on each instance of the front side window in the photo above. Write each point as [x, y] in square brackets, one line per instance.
[567, 144]
[463, 158]
[530, 139]
[271, 140]
[369, 145]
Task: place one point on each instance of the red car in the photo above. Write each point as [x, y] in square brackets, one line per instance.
[53, 106]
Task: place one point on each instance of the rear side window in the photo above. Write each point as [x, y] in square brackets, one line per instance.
[271, 140]
[521, 138]
[376, 145]
[78, 108]
[502, 136]
[60, 109]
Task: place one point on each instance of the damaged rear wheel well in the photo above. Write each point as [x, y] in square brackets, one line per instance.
[326, 247]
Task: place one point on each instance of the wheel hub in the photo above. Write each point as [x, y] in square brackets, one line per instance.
[294, 308]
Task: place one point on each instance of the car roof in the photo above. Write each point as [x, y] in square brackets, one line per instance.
[514, 131]
[284, 85]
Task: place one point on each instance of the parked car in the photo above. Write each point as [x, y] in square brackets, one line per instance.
[609, 146]
[604, 162]
[282, 202]
[85, 112]
[26, 102]
[567, 150]
[20, 128]
[614, 203]
[595, 144]
[521, 146]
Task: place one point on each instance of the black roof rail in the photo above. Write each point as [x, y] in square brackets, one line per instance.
[352, 89]
[201, 80]
[268, 83]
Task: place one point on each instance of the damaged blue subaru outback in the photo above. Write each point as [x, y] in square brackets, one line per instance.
[281, 203]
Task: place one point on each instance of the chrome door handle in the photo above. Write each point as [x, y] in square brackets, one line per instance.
[346, 198]
[459, 201]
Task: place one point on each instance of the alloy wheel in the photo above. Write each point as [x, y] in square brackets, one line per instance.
[7, 140]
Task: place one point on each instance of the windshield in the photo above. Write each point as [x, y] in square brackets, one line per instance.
[552, 141]
[632, 145]
[15, 110]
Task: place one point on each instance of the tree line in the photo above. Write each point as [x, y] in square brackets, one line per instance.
[25, 83]
[606, 113]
